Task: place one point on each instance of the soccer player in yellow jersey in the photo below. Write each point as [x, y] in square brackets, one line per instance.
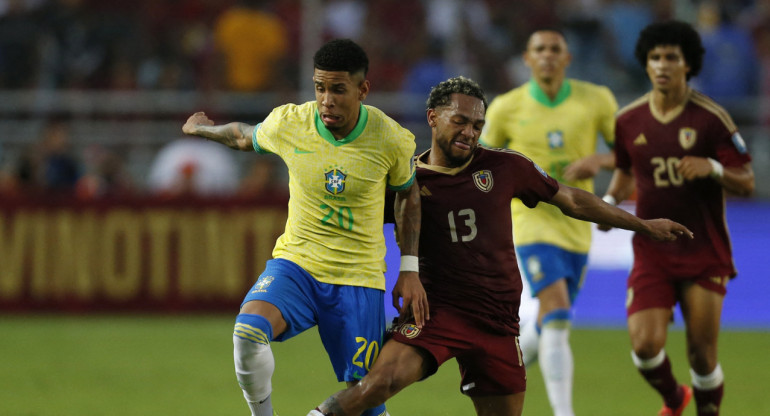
[555, 121]
[327, 267]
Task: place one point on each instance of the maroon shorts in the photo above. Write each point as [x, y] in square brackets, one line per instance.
[650, 287]
[490, 364]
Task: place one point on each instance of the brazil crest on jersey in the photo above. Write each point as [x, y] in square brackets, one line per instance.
[553, 134]
[337, 190]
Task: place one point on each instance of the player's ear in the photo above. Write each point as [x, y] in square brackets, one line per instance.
[363, 89]
[431, 115]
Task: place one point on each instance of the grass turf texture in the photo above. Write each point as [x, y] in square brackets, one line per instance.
[182, 365]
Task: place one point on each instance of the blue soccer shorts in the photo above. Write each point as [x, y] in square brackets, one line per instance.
[544, 264]
[350, 319]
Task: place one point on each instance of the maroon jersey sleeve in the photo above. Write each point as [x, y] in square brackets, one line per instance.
[467, 257]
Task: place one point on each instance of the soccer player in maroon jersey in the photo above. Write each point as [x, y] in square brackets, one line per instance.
[468, 263]
[681, 151]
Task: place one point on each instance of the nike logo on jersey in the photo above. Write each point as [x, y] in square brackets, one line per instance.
[302, 152]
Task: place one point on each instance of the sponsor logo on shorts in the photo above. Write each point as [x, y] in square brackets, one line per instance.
[262, 284]
[409, 330]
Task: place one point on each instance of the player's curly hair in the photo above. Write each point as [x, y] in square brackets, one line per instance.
[675, 33]
[341, 55]
[441, 94]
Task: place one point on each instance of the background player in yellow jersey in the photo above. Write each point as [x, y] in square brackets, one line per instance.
[554, 121]
[327, 267]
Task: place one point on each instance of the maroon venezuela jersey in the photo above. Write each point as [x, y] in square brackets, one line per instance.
[467, 259]
[649, 145]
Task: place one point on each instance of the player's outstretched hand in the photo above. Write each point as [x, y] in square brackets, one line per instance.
[415, 300]
[662, 229]
[195, 120]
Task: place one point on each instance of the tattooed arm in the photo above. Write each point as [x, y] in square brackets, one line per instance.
[233, 135]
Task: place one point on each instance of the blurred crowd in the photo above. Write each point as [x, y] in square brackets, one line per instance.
[184, 168]
[255, 46]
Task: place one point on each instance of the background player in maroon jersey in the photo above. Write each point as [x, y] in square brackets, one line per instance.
[468, 263]
[681, 151]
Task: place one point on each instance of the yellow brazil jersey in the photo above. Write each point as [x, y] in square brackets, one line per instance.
[337, 190]
[553, 134]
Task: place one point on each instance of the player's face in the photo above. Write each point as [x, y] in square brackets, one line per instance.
[547, 55]
[456, 130]
[667, 68]
[339, 95]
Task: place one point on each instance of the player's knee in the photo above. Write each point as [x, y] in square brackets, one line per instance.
[379, 386]
[254, 363]
[703, 358]
[253, 328]
[646, 348]
[250, 332]
[557, 319]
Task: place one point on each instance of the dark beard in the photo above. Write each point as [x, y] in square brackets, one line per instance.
[456, 161]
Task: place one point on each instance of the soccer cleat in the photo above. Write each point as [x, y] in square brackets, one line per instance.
[686, 397]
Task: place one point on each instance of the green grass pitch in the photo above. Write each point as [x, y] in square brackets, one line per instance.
[182, 365]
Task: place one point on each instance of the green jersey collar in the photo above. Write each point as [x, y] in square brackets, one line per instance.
[363, 117]
[540, 96]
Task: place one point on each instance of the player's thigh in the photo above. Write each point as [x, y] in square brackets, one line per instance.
[351, 323]
[398, 366]
[268, 311]
[283, 294]
[555, 296]
[508, 405]
[702, 310]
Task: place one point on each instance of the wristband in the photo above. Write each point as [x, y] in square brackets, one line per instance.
[610, 199]
[717, 170]
[410, 264]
